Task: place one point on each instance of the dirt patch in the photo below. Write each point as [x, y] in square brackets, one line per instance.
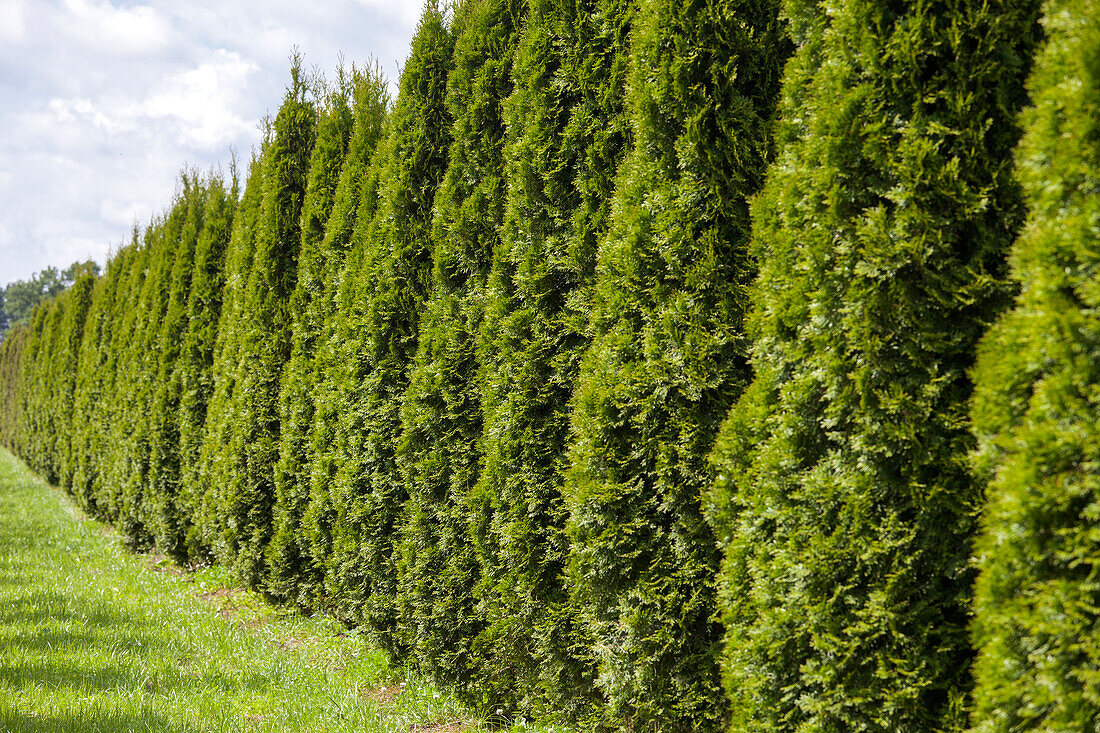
[163, 564]
[456, 727]
[222, 600]
[291, 644]
[220, 593]
[384, 695]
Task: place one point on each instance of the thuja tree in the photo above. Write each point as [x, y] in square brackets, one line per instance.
[441, 416]
[92, 373]
[131, 273]
[248, 494]
[195, 368]
[668, 356]
[308, 309]
[165, 515]
[566, 135]
[129, 450]
[170, 240]
[378, 338]
[11, 358]
[1035, 413]
[203, 487]
[66, 365]
[319, 580]
[39, 414]
[843, 500]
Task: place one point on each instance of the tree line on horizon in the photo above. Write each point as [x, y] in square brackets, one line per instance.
[19, 298]
[645, 364]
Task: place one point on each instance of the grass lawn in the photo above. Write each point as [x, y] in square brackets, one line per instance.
[95, 639]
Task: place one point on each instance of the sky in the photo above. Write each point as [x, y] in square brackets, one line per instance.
[104, 102]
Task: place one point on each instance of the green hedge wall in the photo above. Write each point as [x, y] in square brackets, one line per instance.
[619, 371]
[566, 133]
[388, 282]
[438, 452]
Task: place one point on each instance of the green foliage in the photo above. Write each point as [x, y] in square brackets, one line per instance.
[376, 337]
[246, 492]
[438, 453]
[63, 368]
[195, 367]
[668, 356]
[1035, 413]
[843, 500]
[127, 269]
[204, 485]
[164, 514]
[567, 131]
[91, 373]
[11, 383]
[356, 204]
[128, 447]
[460, 371]
[332, 192]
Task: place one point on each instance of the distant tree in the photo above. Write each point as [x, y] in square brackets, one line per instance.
[843, 500]
[1035, 414]
[19, 298]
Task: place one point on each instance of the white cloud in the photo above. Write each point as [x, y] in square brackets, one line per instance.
[137, 30]
[13, 21]
[103, 102]
[202, 101]
[80, 111]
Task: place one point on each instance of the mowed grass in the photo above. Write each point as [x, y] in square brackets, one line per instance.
[96, 639]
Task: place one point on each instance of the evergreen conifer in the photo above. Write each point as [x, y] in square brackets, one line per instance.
[377, 340]
[165, 515]
[1035, 413]
[291, 482]
[196, 358]
[843, 501]
[248, 495]
[205, 486]
[441, 422]
[669, 356]
[346, 236]
[566, 133]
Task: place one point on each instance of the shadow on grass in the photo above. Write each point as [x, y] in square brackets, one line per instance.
[40, 635]
[90, 721]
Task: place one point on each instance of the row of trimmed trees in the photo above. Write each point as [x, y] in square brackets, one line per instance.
[621, 369]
